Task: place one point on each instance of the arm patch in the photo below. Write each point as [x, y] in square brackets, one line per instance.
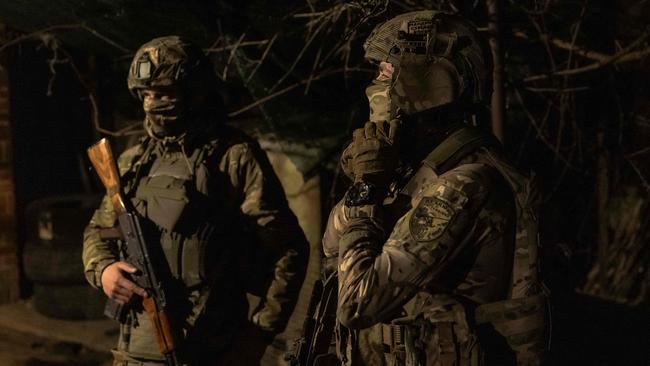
[430, 219]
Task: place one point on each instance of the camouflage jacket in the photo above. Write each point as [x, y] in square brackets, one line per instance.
[233, 234]
[443, 239]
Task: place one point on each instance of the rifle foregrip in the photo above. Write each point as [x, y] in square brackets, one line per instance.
[160, 321]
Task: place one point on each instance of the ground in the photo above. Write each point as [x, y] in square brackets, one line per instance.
[30, 339]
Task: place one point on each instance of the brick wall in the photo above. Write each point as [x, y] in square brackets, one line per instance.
[9, 289]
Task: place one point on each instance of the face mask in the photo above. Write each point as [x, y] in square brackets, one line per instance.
[378, 93]
[166, 116]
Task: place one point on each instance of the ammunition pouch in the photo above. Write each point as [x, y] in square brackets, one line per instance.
[175, 196]
[440, 337]
[166, 199]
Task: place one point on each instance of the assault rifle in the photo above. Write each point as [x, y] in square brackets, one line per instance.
[312, 349]
[138, 253]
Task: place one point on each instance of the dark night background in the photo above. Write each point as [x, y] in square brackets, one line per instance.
[577, 88]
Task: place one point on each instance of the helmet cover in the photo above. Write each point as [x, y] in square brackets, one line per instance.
[168, 61]
[438, 59]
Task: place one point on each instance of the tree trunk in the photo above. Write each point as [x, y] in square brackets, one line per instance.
[498, 97]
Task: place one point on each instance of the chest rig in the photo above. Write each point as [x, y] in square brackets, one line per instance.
[440, 330]
[176, 191]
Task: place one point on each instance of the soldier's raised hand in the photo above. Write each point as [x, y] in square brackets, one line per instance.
[374, 151]
[117, 286]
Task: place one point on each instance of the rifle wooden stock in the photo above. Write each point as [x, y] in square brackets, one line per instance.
[101, 156]
[160, 321]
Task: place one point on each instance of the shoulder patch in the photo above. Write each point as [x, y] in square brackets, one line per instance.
[430, 219]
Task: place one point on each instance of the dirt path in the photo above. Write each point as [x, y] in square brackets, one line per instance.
[23, 349]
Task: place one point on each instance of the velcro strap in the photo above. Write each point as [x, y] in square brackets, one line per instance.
[392, 335]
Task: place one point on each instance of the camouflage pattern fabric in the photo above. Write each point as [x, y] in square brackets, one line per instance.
[421, 86]
[447, 242]
[164, 62]
[378, 94]
[447, 218]
[253, 243]
[443, 272]
[438, 58]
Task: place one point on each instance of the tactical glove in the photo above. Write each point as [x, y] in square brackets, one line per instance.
[346, 162]
[374, 151]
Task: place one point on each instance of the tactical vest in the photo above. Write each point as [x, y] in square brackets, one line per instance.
[176, 192]
[522, 318]
[180, 195]
[443, 327]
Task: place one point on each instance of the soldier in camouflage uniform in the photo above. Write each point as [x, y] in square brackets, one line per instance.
[224, 223]
[435, 243]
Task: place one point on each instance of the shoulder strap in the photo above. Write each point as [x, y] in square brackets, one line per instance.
[520, 318]
[458, 145]
[524, 318]
[525, 281]
[213, 150]
[133, 171]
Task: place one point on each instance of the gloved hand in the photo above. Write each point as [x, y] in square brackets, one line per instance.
[346, 162]
[374, 151]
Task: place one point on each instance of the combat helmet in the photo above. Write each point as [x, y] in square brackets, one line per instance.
[438, 58]
[170, 61]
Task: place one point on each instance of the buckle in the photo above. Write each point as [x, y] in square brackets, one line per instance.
[392, 335]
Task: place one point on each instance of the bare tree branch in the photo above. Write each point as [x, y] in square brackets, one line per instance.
[498, 97]
[540, 133]
[294, 86]
[625, 54]
[234, 46]
[568, 46]
[233, 50]
[261, 60]
[643, 151]
[129, 130]
[62, 28]
[644, 181]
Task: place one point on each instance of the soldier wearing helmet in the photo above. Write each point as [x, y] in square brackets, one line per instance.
[221, 219]
[435, 242]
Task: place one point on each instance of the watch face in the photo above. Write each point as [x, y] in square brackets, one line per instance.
[364, 191]
[361, 193]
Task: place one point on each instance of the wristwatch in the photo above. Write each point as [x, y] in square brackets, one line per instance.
[361, 193]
